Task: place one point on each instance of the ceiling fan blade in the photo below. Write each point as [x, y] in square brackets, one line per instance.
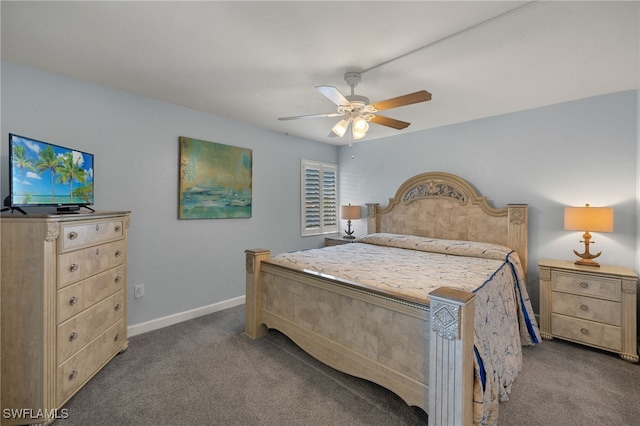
[297, 117]
[390, 122]
[411, 98]
[333, 95]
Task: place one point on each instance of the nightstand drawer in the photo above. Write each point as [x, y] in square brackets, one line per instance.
[586, 284]
[589, 308]
[589, 332]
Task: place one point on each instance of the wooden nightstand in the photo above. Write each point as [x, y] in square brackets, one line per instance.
[591, 306]
[335, 241]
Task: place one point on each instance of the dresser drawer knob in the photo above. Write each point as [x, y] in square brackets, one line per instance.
[73, 300]
[115, 339]
[73, 336]
[118, 253]
[73, 235]
[584, 331]
[584, 308]
[117, 307]
[97, 252]
[73, 375]
[97, 227]
[117, 228]
[584, 284]
[118, 279]
[73, 267]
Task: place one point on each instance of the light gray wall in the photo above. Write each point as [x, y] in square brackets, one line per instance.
[184, 264]
[569, 154]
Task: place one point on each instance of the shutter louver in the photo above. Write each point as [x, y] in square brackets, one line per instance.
[319, 198]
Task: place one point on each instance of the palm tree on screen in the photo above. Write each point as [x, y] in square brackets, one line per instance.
[47, 160]
[70, 170]
[22, 162]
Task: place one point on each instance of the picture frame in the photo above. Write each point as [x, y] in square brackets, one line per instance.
[215, 180]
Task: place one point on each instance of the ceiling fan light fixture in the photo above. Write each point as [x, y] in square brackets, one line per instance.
[360, 125]
[357, 135]
[340, 128]
[359, 128]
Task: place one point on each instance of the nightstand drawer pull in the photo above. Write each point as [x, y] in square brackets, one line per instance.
[584, 284]
[97, 227]
[97, 252]
[73, 235]
[73, 336]
[117, 279]
[585, 308]
[115, 339]
[117, 228]
[584, 331]
[73, 375]
[73, 267]
[117, 307]
[73, 300]
[118, 253]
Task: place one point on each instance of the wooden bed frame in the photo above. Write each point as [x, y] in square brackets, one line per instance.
[422, 352]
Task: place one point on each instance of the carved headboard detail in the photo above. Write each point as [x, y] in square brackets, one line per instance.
[443, 205]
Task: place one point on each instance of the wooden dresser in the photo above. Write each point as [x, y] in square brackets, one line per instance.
[64, 284]
[589, 305]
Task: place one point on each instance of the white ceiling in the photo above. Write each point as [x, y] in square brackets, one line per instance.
[257, 61]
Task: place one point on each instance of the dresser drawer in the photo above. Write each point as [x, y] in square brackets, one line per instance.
[75, 298]
[84, 327]
[80, 264]
[589, 332]
[83, 365]
[75, 236]
[586, 284]
[600, 310]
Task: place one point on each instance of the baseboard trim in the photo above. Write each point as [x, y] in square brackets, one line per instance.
[155, 324]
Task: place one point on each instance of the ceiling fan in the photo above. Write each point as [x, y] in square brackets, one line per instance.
[358, 111]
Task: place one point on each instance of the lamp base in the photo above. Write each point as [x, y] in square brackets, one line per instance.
[349, 232]
[587, 262]
[586, 258]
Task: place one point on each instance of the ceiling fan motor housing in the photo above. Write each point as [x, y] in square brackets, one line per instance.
[352, 78]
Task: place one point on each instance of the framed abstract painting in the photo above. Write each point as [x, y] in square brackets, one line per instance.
[215, 180]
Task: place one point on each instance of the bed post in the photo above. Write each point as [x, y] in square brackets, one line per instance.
[519, 231]
[451, 357]
[373, 221]
[253, 327]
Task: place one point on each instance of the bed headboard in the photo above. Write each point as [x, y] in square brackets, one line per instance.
[443, 205]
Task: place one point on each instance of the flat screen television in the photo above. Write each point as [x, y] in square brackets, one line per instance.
[43, 174]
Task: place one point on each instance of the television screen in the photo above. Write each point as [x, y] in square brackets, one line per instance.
[44, 174]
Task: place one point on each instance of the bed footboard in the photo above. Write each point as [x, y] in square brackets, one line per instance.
[422, 353]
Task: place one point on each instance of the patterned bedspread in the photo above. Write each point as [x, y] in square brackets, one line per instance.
[414, 266]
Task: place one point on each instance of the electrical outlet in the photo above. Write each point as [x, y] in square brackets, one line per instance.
[138, 291]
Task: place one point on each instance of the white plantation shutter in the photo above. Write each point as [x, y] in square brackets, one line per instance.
[319, 198]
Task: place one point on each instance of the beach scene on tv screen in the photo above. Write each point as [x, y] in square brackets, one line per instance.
[48, 174]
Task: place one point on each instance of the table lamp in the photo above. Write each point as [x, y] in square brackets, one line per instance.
[350, 213]
[587, 219]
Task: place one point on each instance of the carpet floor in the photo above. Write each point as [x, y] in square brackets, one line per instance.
[206, 372]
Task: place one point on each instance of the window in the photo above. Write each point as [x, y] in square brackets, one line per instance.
[319, 198]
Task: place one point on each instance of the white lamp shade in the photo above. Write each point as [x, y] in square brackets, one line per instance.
[340, 128]
[359, 128]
